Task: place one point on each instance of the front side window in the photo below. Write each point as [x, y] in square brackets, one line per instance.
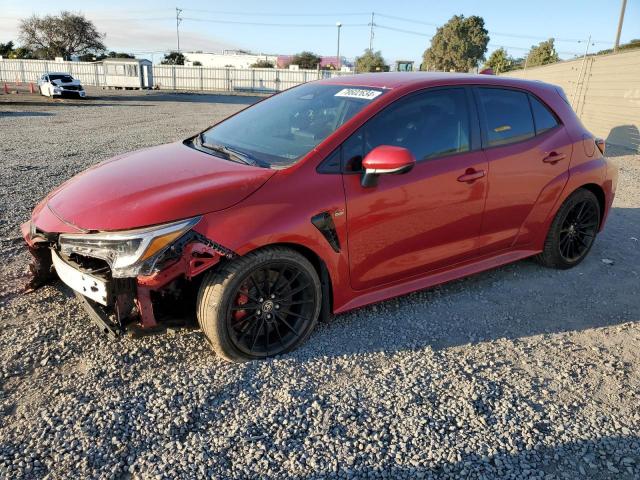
[506, 115]
[279, 131]
[430, 124]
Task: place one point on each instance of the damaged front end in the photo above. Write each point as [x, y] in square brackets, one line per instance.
[127, 280]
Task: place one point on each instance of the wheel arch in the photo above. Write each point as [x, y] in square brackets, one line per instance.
[598, 191]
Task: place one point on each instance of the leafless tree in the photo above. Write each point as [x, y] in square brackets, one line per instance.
[60, 36]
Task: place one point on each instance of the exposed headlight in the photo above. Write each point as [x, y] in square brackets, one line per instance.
[129, 253]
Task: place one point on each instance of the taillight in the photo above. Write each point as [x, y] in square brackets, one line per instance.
[600, 143]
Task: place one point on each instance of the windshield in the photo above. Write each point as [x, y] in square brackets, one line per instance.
[279, 131]
[64, 78]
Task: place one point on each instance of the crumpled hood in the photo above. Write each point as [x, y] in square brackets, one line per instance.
[152, 186]
[60, 83]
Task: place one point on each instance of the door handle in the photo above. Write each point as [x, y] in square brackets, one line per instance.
[471, 175]
[554, 157]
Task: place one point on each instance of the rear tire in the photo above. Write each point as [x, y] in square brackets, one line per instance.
[263, 304]
[572, 232]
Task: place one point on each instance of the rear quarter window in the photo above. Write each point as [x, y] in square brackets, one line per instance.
[506, 115]
[544, 119]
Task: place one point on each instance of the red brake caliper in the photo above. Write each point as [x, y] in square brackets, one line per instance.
[242, 299]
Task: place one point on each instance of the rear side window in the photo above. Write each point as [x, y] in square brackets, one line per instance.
[507, 115]
[544, 119]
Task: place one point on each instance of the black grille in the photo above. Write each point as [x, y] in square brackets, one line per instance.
[71, 87]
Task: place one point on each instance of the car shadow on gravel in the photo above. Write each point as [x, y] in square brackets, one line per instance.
[615, 457]
[514, 301]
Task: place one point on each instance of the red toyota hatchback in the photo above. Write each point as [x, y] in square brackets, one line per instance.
[326, 197]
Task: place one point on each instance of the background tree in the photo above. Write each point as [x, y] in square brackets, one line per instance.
[371, 61]
[306, 60]
[6, 49]
[91, 57]
[635, 43]
[542, 54]
[197, 64]
[60, 36]
[262, 64]
[459, 45]
[499, 61]
[173, 58]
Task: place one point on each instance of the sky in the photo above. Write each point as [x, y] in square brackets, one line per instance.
[402, 28]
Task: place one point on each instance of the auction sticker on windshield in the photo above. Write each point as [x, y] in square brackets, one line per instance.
[358, 93]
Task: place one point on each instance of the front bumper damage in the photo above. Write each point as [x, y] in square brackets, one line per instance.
[118, 305]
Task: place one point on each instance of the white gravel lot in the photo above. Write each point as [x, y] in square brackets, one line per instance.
[521, 372]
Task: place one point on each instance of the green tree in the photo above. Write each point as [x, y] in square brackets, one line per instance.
[90, 57]
[306, 60]
[633, 44]
[197, 64]
[173, 58]
[499, 61]
[371, 61]
[262, 64]
[6, 48]
[60, 36]
[459, 45]
[22, 52]
[542, 54]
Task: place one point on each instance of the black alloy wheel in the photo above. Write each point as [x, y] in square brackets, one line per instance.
[262, 304]
[572, 231]
[578, 230]
[272, 308]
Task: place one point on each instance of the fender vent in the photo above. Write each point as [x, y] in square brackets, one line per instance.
[324, 223]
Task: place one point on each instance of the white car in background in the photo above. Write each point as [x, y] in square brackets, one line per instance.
[58, 84]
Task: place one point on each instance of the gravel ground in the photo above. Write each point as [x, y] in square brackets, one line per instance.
[521, 372]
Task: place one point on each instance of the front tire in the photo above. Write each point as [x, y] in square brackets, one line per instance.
[263, 304]
[572, 232]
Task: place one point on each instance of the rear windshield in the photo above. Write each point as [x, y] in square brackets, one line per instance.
[64, 78]
[279, 131]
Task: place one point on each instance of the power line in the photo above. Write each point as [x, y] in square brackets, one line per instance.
[267, 24]
[281, 14]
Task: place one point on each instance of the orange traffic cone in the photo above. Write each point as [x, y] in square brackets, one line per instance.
[31, 88]
[6, 88]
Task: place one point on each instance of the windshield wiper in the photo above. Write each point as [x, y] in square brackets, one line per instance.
[229, 153]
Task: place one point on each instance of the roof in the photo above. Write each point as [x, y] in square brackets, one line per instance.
[59, 73]
[125, 60]
[394, 80]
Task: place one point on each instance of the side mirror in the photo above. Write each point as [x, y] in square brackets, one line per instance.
[383, 160]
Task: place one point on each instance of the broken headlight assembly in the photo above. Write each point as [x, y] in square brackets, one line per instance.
[129, 253]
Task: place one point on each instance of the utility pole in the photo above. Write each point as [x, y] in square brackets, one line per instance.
[622, 9]
[178, 20]
[339, 61]
[371, 32]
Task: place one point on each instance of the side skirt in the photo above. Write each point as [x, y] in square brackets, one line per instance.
[434, 278]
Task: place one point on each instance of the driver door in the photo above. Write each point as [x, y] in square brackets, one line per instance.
[429, 217]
